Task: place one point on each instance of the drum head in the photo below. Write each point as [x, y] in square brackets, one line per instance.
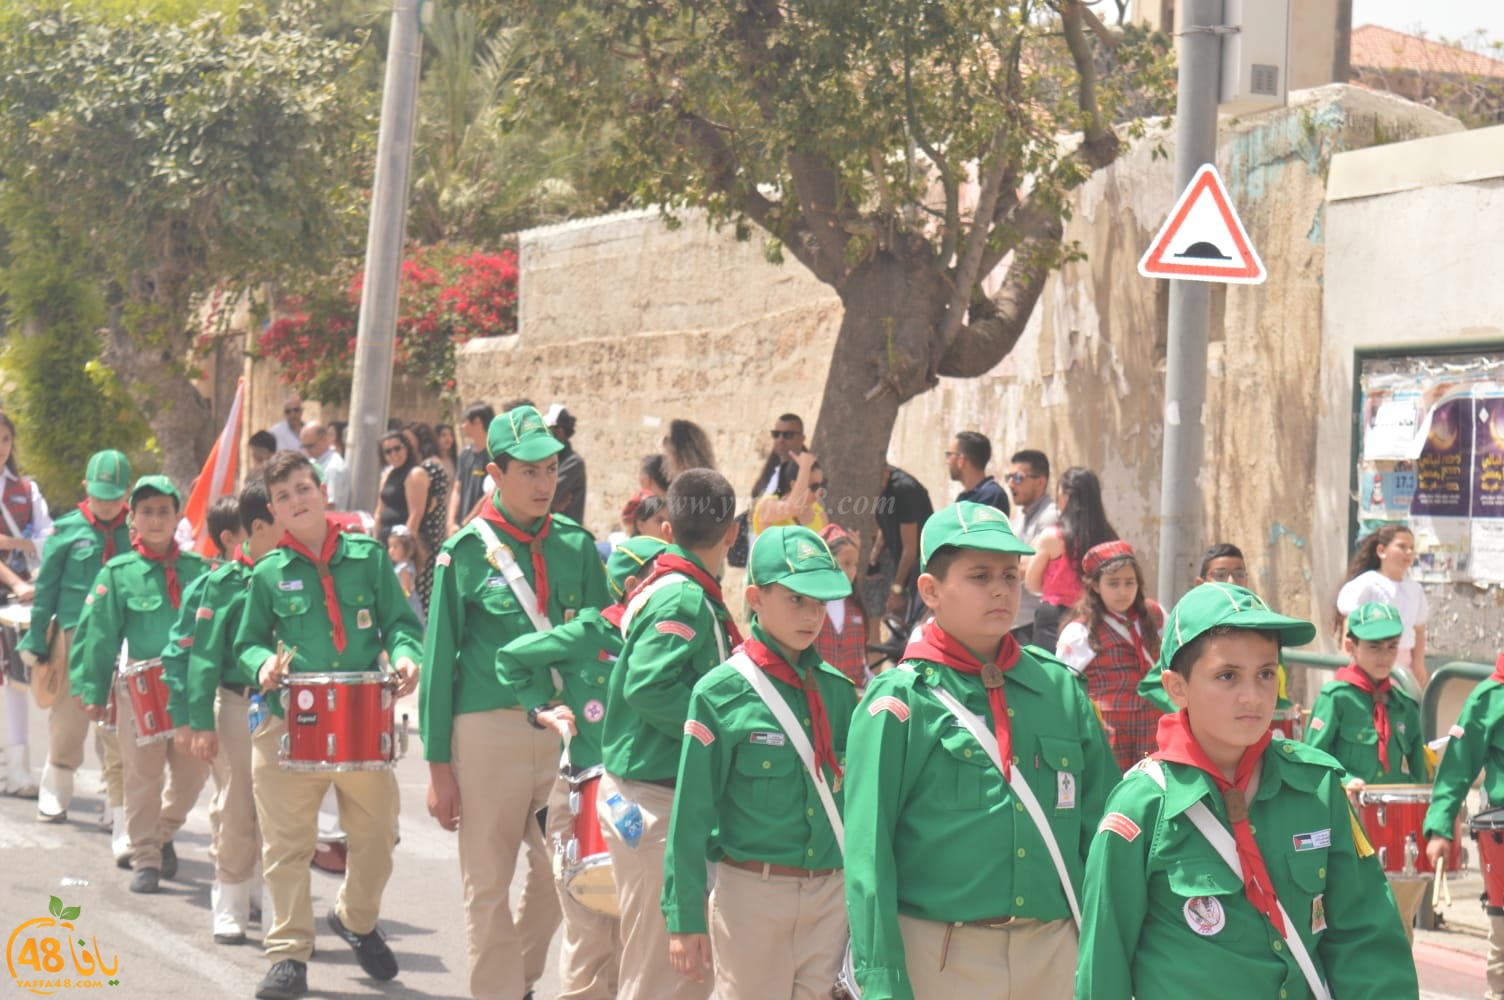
[593, 886]
[846, 987]
[1489, 819]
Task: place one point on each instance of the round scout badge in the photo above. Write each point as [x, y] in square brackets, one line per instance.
[1204, 915]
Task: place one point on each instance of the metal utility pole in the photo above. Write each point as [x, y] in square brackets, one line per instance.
[1198, 89]
[377, 331]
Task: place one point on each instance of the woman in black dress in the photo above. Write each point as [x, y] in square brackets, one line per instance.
[404, 488]
[433, 521]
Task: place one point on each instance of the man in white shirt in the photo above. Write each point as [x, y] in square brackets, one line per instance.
[318, 444]
[1029, 483]
[287, 429]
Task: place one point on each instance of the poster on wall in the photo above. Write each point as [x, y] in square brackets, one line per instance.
[1385, 490]
[1392, 418]
[1441, 507]
[1488, 485]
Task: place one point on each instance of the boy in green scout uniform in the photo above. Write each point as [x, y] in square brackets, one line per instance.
[1163, 902]
[747, 800]
[953, 887]
[215, 707]
[322, 601]
[583, 652]
[677, 629]
[136, 598]
[514, 569]
[1476, 744]
[1372, 726]
[82, 541]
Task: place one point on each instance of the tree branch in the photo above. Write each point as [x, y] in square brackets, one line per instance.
[1099, 144]
[818, 193]
[969, 269]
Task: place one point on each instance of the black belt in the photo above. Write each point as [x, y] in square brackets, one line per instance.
[244, 690]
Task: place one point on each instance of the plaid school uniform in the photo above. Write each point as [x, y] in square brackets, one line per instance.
[1112, 680]
[846, 650]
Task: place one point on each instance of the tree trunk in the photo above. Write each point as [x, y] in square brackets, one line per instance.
[894, 302]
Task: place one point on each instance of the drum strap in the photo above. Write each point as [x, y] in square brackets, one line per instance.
[1020, 788]
[753, 674]
[500, 556]
[1223, 843]
[641, 598]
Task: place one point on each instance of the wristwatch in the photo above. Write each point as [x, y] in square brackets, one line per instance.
[896, 588]
[532, 716]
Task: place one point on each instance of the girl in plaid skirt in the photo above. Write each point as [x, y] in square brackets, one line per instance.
[1113, 640]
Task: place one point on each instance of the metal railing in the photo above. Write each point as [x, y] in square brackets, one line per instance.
[1430, 700]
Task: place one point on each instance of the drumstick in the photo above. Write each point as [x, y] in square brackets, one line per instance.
[1441, 893]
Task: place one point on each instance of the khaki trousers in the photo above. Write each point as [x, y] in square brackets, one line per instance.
[1495, 958]
[505, 770]
[111, 768]
[1025, 959]
[287, 807]
[153, 814]
[1408, 893]
[236, 846]
[645, 970]
[777, 936]
[590, 957]
[67, 726]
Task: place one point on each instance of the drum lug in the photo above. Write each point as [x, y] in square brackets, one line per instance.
[558, 857]
[1383, 814]
[574, 802]
[386, 697]
[1384, 858]
[282, 696]
[572, 853]
[285, 742]
[332, 699]
[329, 750]
[386, 745]
[1412, 854]
[402, 737]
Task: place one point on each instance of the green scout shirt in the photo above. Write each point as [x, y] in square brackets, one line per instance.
[211, 660]
[285, 603]
[472, 613]
[128, 604]
[932, 829]
[1152, 873]
[1477, 743]
[745, 794]
[584, 652]
[175, 652]
[673, 640]
[71, 558]
[1342, 725]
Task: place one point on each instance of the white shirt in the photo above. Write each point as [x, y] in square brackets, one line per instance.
[287, 438]
[1406, 596]
[336, 479]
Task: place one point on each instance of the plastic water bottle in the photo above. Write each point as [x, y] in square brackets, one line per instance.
[256, 714]
[626, 817]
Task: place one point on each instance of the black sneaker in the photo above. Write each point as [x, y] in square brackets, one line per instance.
[286, 980]
[370, 949]
[146, 880]
[169, 860]
[123, 862]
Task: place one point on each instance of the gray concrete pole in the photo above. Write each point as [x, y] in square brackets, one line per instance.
[377, 331]
[1199, 83]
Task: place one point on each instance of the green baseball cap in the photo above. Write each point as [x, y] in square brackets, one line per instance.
[969, 525]
[108, 475]
[521, 433]
[1375, 622]
[1215, 605]
[800, 560]
[161, 484]
[629, 558]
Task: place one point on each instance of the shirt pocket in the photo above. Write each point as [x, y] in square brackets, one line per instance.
[497, 598]
[144, 603]
[82, 567]
[1063, 760]
[289, 609]
[768, 772]
[969, 764]
[1208, 899]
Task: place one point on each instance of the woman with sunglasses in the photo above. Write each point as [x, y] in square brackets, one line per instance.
[404, 489]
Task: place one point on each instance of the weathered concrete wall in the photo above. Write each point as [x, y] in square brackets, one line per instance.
[631, 324]
[1414, 260]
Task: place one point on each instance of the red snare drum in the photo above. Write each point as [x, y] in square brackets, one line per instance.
[586, 863]
[1487, 828]
[338, 721]
[1392, 817]
[147, 694]
[1287, 724]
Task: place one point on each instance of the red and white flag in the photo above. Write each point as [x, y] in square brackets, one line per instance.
[218, 476]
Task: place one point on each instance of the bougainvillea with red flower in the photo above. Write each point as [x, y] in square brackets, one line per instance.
[449, 295]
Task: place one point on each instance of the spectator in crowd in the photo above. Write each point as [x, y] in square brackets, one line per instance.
[649, 517]
[262, 446]
[652, 476]
[318, 444]
[448, 448]
[469, 487]
[433, 522]
[404, 488]
[1380, 573]
[966, 461]
[796, 498]
[26, 525]
[1029, 483]
[903, 505]
[287, 429]
[337, 430]
[1054, 571]
[686, 446]
[788, 441]
[569, 493]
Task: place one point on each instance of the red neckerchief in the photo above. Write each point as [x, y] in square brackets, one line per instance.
[1498, 674]
[938, 646]
[614, 614]
[534, 542]
[243, 557]
[321, 563]
[1178, 745]
[1380, 694]
[170, 564]
[666, 562]
[1131, 621]
[774, 665]
[105, 528]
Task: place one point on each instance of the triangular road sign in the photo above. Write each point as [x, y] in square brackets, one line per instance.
[1203, 239]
